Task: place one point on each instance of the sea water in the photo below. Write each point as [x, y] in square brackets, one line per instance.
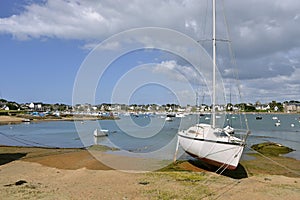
[146, 134]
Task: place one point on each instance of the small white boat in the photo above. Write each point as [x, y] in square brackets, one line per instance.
[169, 119]
[275, 118]
[179, 115]
[292, 125]
[277, 123]
[100, 133]
[26, 120]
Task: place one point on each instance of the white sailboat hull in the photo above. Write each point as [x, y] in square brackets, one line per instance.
[100, 133]
[203, 144]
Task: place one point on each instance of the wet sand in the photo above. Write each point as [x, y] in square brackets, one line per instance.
[10, 120]
[4, 120]
[43, 173]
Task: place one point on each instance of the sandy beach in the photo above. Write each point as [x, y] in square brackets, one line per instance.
[10, 119]
[4, 120]
[44, 173]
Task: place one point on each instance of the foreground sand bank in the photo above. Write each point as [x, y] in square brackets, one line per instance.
[41, 173]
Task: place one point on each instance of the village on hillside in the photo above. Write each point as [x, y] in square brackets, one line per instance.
[39, 108]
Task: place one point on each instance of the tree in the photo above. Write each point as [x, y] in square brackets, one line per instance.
[277, 105]
[12, 106]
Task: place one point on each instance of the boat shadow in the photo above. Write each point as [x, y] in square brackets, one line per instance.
[239, 173]
[9, 157]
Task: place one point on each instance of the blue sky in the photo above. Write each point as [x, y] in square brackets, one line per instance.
[36, 70]
[44, 43]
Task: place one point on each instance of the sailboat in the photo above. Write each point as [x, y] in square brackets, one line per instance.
[207, 142]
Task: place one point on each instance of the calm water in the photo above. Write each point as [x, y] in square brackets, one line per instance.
[145, 134]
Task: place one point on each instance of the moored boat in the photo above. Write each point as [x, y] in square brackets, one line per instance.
[100, 133]
[259, 117]
[214, 145]
[169, 119]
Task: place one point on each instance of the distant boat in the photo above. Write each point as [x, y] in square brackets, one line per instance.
[127, 114]
[134, 115]
[171, 115]
[275, 118]
[277, 124]
[179, 115]
[26, 120]
[169, 119]
[100, 133]
[259, 117]
[213, 145]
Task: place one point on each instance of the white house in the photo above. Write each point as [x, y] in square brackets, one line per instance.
[181, 110]
[31, 105]
[39, 106]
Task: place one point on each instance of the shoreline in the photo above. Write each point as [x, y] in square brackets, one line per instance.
[7, 120]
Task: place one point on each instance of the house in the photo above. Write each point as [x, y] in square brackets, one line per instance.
[262, 107]
[291, 107]
[31, 106]
[181, 110]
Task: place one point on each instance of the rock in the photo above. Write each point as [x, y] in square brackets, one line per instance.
[144, 182]
[20, 182]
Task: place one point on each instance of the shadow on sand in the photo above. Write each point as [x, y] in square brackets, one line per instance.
[9, 157]
[239, 173]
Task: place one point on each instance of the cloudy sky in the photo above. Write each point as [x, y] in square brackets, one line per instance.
[44, 43]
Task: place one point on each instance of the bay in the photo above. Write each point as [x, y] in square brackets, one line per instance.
[147, 134]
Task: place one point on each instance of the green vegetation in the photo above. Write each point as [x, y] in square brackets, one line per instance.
[173, 167]
[175, 185]
[274, 165]
[277, 105]
[11, 112]
[102, 148]
[248, 108]
[271, 148]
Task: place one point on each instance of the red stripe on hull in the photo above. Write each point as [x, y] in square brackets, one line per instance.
[213, 162]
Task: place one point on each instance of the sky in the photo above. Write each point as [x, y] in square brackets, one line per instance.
[46, 46]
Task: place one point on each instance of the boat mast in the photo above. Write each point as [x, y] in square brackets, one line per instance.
[214, 65]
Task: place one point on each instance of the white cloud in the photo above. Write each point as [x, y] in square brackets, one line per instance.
[94, 19]
[107, 46]
[280, 88]
[174, 71]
